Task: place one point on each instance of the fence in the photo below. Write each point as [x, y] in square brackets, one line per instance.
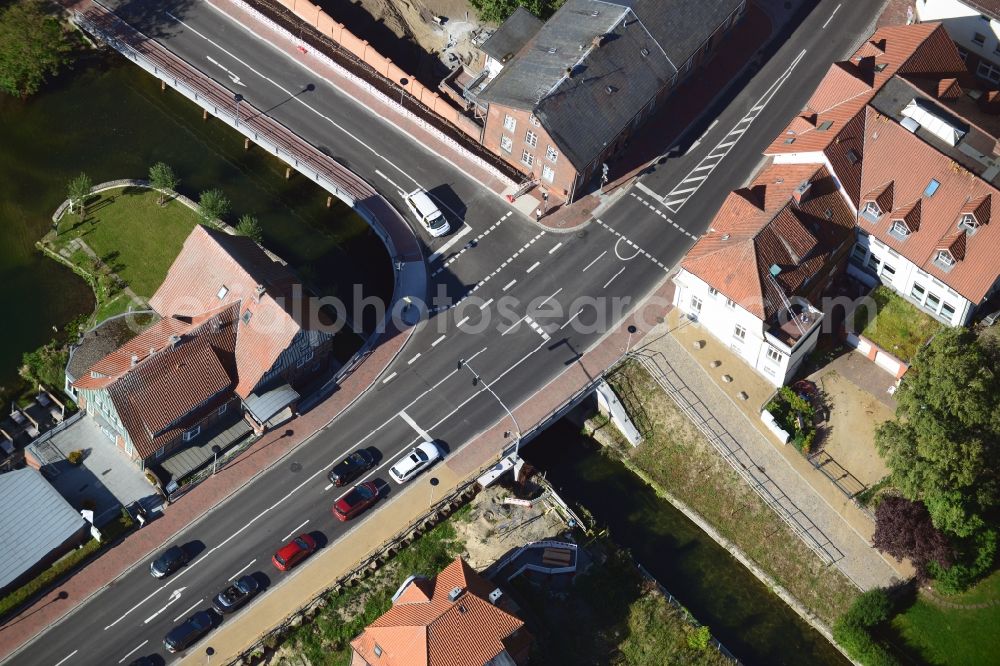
[733, 453]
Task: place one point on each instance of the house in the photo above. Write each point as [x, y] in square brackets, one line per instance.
[974, 25]
[915, 152]
[755, 279]
[232, 339]
[456, 618]
[561, 99]
[37, 526]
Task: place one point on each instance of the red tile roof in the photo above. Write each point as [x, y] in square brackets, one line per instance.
[890, 152]
[736, 255]
[175, 388]
[425, 628]
[848, 86]
[216, 269]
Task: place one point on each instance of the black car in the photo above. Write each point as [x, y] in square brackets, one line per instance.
[144, 661]
[233, 597]
[351, 467]
[185, 635]
[171, 560]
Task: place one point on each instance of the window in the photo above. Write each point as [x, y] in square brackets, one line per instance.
[947, 311]
[825, 125]
[551, 155]
[968, 223]
[509, 122]
[917, 291]
[713, 291]
[988, 71]
[378, 650]
[978, 38]
[740, 333]
[730, 303]
[859, 254]
[932, 302]
[852, 156]
[533, 120]
[548, 174]
[962, 53]
[774, 355]
[531, 138]
[223, 290]
[944, 259]
[246, 317]
[159, 454]
[931, 188]
[695, 304]
[872, 211]
[222, 409]
[899, 229]
[192, 433]
[527, 158]
[888, 270]
[505, 143]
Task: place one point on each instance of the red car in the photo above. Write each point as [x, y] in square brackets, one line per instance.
[357, 500]
[294, 552]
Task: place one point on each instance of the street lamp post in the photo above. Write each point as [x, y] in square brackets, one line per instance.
[632, 330]
[239, 98]
[403, 82]
[476, 379]
[216, 450]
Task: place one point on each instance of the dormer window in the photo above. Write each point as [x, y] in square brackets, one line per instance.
[968, 223]
[899, 229]
[944, 259]
[872, 211]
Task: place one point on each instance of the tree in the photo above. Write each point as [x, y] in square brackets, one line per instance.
[249, 226]
[33, 45]
[853, 629]
[212, 204]
[903, 528]
[497, 11]
[78, 189]
[162, 177]
[942, 447]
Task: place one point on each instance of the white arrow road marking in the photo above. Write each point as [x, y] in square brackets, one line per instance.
[232, 76]
[175, 595]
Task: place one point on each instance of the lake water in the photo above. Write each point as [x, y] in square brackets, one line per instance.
[109, 119]
[757, 626]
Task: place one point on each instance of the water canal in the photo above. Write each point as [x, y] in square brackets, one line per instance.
[109, 119]
[742, 613]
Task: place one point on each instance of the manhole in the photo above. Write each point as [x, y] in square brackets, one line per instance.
[582, 233]
[295, 467]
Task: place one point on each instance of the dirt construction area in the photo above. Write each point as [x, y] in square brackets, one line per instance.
[848, 435]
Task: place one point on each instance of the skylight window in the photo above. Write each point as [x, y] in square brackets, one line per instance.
[852, 156]
[246, 317]
[223, 290]
[931, 188]
[825, 125]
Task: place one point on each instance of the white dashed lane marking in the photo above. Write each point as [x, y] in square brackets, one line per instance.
[471, 244]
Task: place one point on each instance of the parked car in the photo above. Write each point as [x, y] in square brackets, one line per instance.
[351, 467]
[168, 562]
[357, 500]
[294, 552]
[236, 595]
[187, 634]
[427, 213]
[144, 661]
[407, 467]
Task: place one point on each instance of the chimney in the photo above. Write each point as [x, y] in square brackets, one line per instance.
[152, 350]
[800, 191]
[455, 593]
[259, 293]
[598, 41]
[135, 360]
[569, 72]
[495, 596]
[174, 339]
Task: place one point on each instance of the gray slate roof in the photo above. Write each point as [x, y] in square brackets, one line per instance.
[645, 44]
[512, 35]
[34, 521]
[101, 340]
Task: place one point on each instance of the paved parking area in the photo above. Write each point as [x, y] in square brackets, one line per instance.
[107, 477]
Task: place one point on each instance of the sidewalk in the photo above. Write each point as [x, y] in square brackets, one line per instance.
[831, 519]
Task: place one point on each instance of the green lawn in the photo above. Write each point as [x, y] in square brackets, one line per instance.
[898, 327]
[136, 237]
[953, 636]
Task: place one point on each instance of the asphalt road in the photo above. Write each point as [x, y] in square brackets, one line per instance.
[623, 256]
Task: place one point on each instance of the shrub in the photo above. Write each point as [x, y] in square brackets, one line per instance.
[22, 594]
[786, 407]
[699, 638]
[853, 629]
[977, 562]
[75, 457]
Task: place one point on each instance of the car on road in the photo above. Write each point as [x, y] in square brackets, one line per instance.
[144, 661]
[427, 213]
[351, 467]
[236, 595]
[187, 634]
[168, 562]
[423, 455]
[294, 552]
[357, 500]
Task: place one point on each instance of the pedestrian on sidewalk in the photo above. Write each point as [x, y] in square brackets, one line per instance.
[538, 215]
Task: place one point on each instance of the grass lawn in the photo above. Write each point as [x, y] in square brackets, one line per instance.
[609, 616]
[954, 636]
[136, 237]
[898, 326]
[677, 458]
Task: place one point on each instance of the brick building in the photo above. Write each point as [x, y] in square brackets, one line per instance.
[562, 98]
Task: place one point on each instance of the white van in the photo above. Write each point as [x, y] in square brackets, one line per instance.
[427, 213]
